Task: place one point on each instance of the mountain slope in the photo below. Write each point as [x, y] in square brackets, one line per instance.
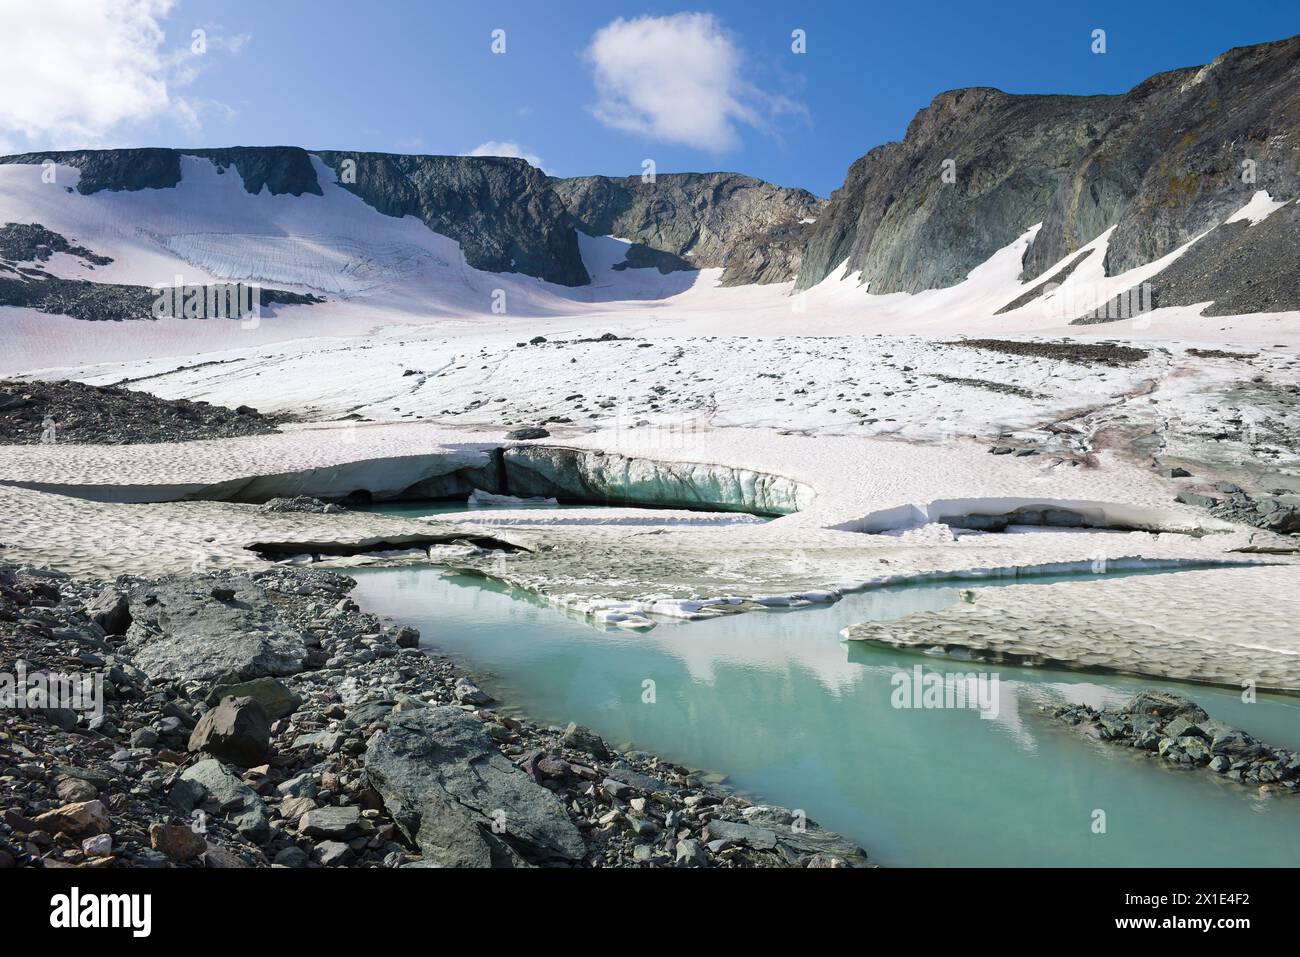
[689, 220]
[1162, 164]
[906, 229]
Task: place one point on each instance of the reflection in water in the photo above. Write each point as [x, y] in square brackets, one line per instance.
[798, 717]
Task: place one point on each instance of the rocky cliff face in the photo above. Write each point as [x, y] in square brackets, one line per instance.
[695, 220]
[502, 211]
[281, 169]
[1163, 163]
[906, 228]
[507, 215]
[1177, 155]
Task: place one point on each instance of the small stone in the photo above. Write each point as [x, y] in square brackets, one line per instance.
[584, 739]
[73, 790]
[64, 718]
[100, 845]
[292, 809]
[292, 856]
[467, 692]
[144, 738]
[237, 730]
[82, 818]
[333, 853]
[186, 795]
[331, 822]
[529, 432]
[217, 857]
[110, 611]
[615, 789]
[406, 637]
[1182, 727]
[642, 827]
[690, 853]
[178, 842]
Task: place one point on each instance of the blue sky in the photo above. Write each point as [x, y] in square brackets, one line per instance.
[720, 90]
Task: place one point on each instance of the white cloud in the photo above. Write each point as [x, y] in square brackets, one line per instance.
[678, 78]
[507, 148]
[75, 72]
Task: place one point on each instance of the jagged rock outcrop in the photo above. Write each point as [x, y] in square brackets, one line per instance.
[1162, 163]
[507, 216]
[502, 211]
[773, 255]
[691, 220]
[281, 169]
[1239, 268]
[906, 229]
[1167, 163]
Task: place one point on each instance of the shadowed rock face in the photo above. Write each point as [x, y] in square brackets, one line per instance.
[773, 255]
[695, 220]
[1238, 268]
[897, 221]
[1167, 164]
[502, 211]
[282, 169]
[1162, 163]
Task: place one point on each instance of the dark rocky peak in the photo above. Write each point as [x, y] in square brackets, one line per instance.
[1183, 151]
[907, 226]
[1163, 163]
[695, 219]
[501, 210]
[283, 169]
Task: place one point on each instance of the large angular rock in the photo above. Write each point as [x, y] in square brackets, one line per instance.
[1165, 704]
[340, 823]
[78, 820]
[276, 700]
[178, 842]
[238, 730]
[179, 631]
[246, 812]
[801, 840]
[110, 610]
[459, 799]
[582, 738]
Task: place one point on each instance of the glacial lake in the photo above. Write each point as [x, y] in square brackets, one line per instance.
[796, 716]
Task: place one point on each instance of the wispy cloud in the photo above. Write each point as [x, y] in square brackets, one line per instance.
[76, 72]
[681, 79]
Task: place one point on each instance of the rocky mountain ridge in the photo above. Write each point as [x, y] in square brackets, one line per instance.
[1164, 163]
[692, 220]
[507, 216]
